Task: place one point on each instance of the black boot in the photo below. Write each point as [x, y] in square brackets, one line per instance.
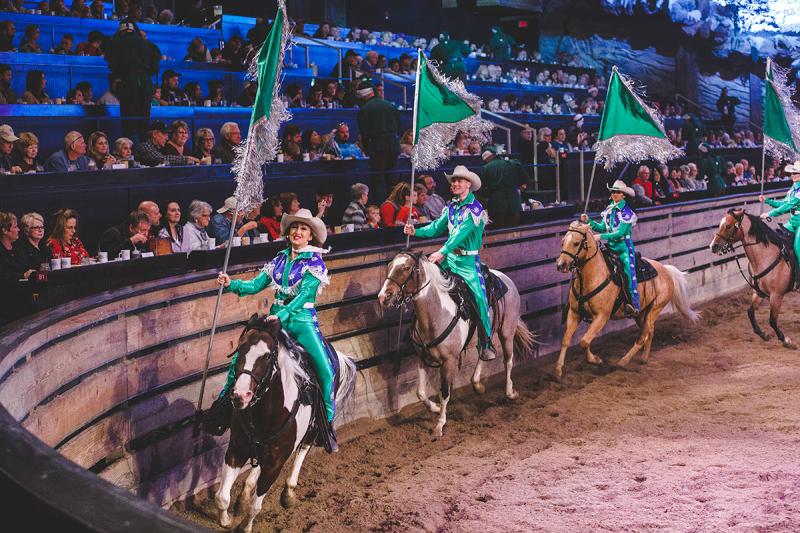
[631, 311]
[217, 418]
[326, 437]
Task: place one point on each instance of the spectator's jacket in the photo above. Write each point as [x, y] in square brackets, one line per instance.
[451, 54]
[342, 150]
[174, 96]
[434, 205]
[149, 155]
[6, 162]
[58, 162]
[108, 98]
[379, 125]
[224, 151]
[12, 266]
[6, 44]
[388, 212]
[32, 256]
[134, 59]
[220, 228]
[271, 226]
[354, 214]
[789, 204]
[116, 239]
[647, 187]
[194, 237]
[74, 250]
[7, 96]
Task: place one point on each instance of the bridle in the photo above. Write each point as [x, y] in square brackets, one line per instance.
[404, 297]
[262, 383]
[731, 239]
[577, 262]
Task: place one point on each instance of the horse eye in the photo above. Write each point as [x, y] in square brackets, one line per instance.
[574, 244]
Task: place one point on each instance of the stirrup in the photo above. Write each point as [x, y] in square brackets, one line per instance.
[630, 311]
[487, 353]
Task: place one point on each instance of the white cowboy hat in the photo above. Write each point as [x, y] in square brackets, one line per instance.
[463, 172]
[619, 186]
[792, 168]
[318, 230]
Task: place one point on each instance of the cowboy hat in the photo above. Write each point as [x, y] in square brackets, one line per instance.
[792, 168]
[317, 226]
[463, 172]
[619, 186]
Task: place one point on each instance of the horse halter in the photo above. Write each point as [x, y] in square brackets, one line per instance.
[584, 245]
[406, 297]
[730, 239]
[262, 382]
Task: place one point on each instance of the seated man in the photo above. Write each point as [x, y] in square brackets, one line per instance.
[292, 137]
[7, 140]
[132, 234]
[171, 93]
[231, 138]
[339, 145]
[149, 153]
[220, 227]
[71, 158]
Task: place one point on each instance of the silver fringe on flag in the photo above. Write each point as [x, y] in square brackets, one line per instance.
[778, 150]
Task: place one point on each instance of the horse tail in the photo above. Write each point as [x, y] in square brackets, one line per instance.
[524, 339]
[680, 294]
[347, 380]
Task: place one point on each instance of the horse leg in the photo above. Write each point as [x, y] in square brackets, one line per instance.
[573, 320]
[755, 302]
[223, 496]
[265, 481]
[422, 388]
[654, 313]
[597, 325]
[477, 386]
[508, 359]
[288, 498]
[775, 301]
[646, 324]
[446, 371]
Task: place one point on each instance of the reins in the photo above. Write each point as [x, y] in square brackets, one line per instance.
[577, 268]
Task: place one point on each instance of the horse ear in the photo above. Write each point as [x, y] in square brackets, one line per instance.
[253, 319]
[274, 326]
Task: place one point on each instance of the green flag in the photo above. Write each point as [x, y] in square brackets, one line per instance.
[442, 108]
[269, 111]
[779, 114]
[630, 131]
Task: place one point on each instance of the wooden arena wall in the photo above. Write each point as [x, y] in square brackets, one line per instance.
[111, 381]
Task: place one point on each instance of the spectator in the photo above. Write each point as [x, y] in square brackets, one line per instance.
[373, 217]
[30, 42]
[195, 15]
[120, 10]
[71, 158]
[293, 96]
[195, 236]
[131, 235]
[30, 249]
[315, 98]
[171, 229]
[7, 33]
[394, 66]
[149, 153]
[396, 200]
[135, 13]
[311, 144]
[58, 9]
[26, 154]
[407, 144]
[692, 179]
[406, 64]
[643, 186]
[661, 189]
[675, 182]
[502, 180]
[349, 65]
[370, 63]
[86, 89]
[204, 145]
[35, 83]
[194, 93]
[402, 214]
[75, 97]
[435, 204]
[99, 152]
[135, 60]
[726, 105]
[233, 52]
[291, 141]
[12, 268]
[354, 214]
[248, 96]
[65, 46]
[225, 151]
[111, 96]
[289, 203]
[324, 198]
[123, 152]
[171, 93]
[258, 33]
[7, 95]
[197, 51]
[216, 94]
[93, 46]
[526, 146]
[150, 15]
[166, 17]
[153, 214]
[64, 241]
[420, 198]
[379, 125]
[7, 140]
[339, 145]
[97, 10]
[221, 222]
[79, 9]
[323, 31]
[178, 136]
[269, 220]
[738, 175]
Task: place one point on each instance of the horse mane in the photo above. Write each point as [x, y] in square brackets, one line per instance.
[294, 363]
[761, 231]
[434, 273]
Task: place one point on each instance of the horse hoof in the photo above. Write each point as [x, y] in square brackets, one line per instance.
[433, 408]
[513, 396]
[436, 433]
[225, 520]
[479, 388]
[789, 344]
[288, 499]
[596, 361]
[764, 336]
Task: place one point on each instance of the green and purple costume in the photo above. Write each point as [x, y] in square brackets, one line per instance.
[296, 283]
[464, 221]
[616, 226]
[789, 204]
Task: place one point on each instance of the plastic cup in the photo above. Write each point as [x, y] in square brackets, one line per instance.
[55, 264]
[102, 257]
[66, 262]
[263, 237]
[212, 243]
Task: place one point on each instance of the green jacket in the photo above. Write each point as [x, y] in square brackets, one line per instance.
[789, 204]
[450, 55]
[379, 126]
[464, 221]
[617, 223]
[500, 46]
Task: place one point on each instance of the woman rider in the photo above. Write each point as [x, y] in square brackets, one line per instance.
[789, 204]
[618, 220]
[297, 273]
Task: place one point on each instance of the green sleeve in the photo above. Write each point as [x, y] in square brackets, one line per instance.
[436, 228]
[597, 227]
[623, 231]
[308, 293]
[461, 233]
[252, 286]
[773, 202]
[785, 207]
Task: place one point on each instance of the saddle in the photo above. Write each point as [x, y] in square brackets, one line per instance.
[786, 244]
[465, 300]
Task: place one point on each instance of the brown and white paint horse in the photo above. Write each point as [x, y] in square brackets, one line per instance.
[413, 278]
[269, 423]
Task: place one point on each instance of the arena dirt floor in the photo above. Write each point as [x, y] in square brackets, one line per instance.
[705, 437]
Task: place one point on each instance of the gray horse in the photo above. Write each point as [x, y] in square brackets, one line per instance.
[413, 278]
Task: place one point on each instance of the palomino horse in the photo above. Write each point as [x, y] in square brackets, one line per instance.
[269, 419]
[762, 246]
[440, 330]
[592, 289]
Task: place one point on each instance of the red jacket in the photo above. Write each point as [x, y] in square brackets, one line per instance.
[270, 226]
[646, 185]
[388, 214]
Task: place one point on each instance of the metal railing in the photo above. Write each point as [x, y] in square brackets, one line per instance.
[320, 43]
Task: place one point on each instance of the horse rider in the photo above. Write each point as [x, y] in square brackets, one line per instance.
[297, 274]
[789, 204]
[463, 220]
[618, 220]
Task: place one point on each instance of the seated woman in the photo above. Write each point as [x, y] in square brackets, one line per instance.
[30, 42]
[26, 154]
[311, 144]
[216, 94]
[391, 207]
[297, 273]
[64, 241]
[123, 152]
[195, 236]
[99, 152]
[29, 248]
[178, 136]
[35, 83]
[171, 228]
[16, 300]
[289, 202]
[269, 220]
[204, 145]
